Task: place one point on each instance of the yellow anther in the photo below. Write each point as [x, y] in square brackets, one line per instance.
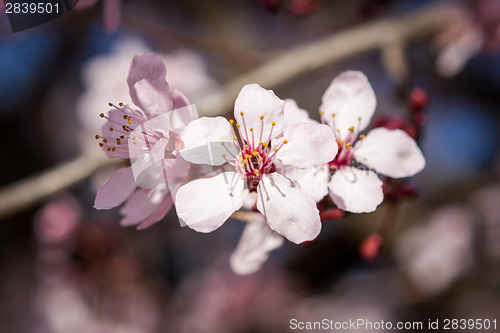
[100, 144]
[342, 142]
[235, 138]
[261, 117]
[130, 121]
[275, 150]
[223, 155]
[264, 144]
[285, 142]
[108, 149]
[110, 104]
[260, 159]
[255, 153]
[333, 114]
[245, 147]
[256, 171]
[238, 125]
[240, 158]
[245, 161]
[113, 149]
[97, 136]
[349, 145]
[231, 121]
[222, 143]
[322, 113]
[260, 142]
[120, 104]
[101, 115]
[105, 141]
[111, 129]
[247, 156]
[359, 118]
[241, 113]
[251, 129]
[362, 136]
[273, 123]
[351, 129]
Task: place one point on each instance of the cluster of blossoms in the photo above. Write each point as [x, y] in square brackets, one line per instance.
[271, 158]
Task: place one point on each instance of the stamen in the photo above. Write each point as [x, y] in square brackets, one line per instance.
[97, 136]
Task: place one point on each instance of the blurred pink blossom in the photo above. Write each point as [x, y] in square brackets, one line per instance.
[436, 253]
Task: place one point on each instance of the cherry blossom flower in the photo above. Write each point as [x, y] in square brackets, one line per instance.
[147, 135]
[347, 107]
[256, 164]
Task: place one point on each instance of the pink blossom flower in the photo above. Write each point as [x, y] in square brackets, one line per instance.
[256, 164]
[347, 107]
[145, 134]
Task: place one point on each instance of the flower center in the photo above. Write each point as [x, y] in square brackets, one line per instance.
[346, 151]
[255, 156]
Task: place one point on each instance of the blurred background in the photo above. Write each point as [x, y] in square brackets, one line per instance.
[435, 68]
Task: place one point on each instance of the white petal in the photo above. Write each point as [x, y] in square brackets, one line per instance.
[349, 96]
[202, 141]
[313, 180]
[254, 246]
[294, 114]
[288, 209]
[148, 168]
[390, 152]
[205, 204]
[255, 101]
[307, 145]
[356, 190]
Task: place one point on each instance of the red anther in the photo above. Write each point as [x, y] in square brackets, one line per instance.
[370, 247]
[331, 214]
[418, 99]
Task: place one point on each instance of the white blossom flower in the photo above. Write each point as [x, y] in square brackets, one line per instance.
[347, 107]
[205, 204]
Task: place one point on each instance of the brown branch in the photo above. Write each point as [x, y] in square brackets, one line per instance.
[292, 63]
[282, 68]
[33, 190]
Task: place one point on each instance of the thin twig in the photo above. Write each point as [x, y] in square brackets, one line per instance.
[303, 59]
[282, 68]
[30, 191]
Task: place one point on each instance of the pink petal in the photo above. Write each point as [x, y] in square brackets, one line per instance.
[307, 145]
[148, 168]
[147, 85]
[294, 114]
[356, 190]
[288, 209]
[255, 101]
[158, 214]
[205, 204]
[390, 152]
[254, 246]
[349, 96]
[137, 209]
[119, 188]
[202, 141]
[112, 14]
